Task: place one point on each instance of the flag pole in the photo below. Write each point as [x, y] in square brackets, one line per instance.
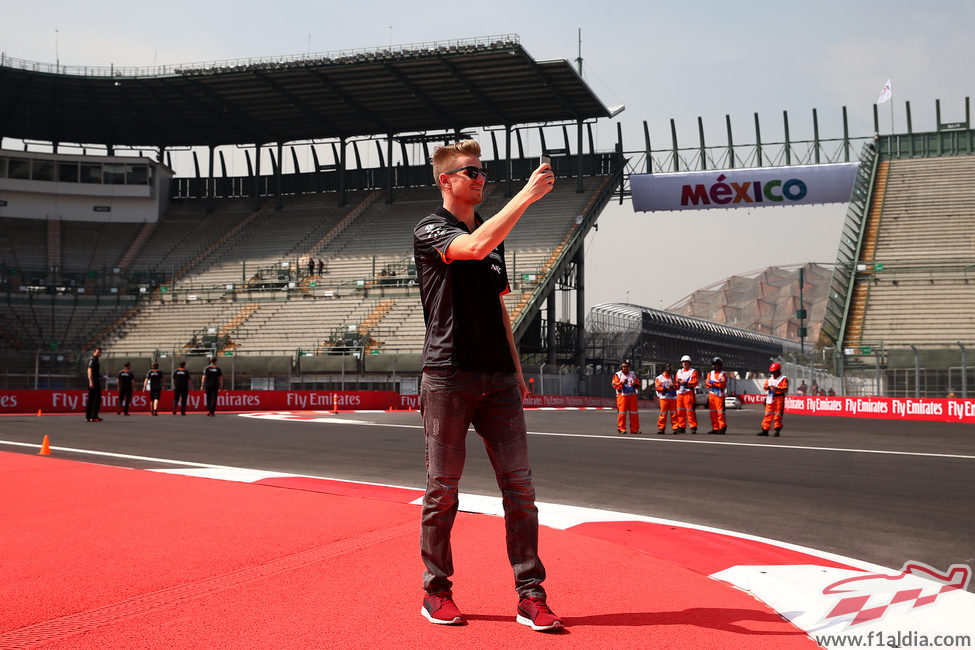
[891, 105]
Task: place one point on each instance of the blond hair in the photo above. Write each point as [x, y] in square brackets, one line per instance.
[443, 157]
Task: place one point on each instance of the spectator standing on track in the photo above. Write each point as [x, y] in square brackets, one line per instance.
[181, 388]
[211, 384]
[126, 380]
[626, 383]
[155, 383]
[472, 375]
[94, 373]
[717, 385]
[666, 387]
[776, 388]
[687, 381]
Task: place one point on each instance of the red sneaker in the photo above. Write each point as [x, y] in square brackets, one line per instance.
[535, 613]
[439, 608]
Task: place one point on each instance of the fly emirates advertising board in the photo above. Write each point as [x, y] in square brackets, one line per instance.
[743, 188]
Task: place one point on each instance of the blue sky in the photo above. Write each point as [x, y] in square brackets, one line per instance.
[662, 60]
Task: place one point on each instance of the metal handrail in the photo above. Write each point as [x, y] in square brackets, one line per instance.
[841, 286]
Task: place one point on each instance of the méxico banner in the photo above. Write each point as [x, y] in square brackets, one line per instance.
[743, 188]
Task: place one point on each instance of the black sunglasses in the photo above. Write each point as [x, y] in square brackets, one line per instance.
[471, 171]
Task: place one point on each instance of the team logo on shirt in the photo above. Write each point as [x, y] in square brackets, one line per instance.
[432, 231]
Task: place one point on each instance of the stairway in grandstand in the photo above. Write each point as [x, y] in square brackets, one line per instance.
[861, 291]
[381, 239]
[916, 283]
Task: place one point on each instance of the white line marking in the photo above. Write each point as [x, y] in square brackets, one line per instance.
[650, 438]
[654, 438]
[110, 454]
[643, 438]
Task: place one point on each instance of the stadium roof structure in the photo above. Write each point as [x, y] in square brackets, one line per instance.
[619, 330]
[764, 300]
[610, 317]
[414, 88]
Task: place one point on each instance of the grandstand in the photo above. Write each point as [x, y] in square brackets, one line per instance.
[242, 285]
[901, 301]
[220, 264]
[367, 296]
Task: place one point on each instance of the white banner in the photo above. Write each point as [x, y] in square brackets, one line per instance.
[743, 188]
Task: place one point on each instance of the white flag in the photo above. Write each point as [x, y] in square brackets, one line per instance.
[885, 94]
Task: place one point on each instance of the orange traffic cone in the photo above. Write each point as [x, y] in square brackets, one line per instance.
[335, 403]
[38, 412]
[45, 447]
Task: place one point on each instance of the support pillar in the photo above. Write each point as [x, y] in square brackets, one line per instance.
[731, 142]
[703, 148]
[579, 187]
[964, 372]
[673, 138]
[846, 137]
[389, 169]
[580, 262]
[816, 135]
[341, 162]
[211, 183]
[648, 168]
[758, 142]
[257, 176]
[278, 198]
[507, 161]
[917, 373]
[788, 144]
[552, 342]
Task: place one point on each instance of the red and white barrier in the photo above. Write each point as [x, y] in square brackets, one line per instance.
[74, 401]
[885, 408]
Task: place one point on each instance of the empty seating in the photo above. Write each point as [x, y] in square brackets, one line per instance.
[919, 284]
[366, 297]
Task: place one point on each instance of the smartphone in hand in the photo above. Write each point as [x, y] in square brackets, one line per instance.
[545, 159]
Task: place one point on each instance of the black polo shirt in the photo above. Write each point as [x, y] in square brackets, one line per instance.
[155, 378]
[181, 379]
[211, 377]
[461, 299]
[96, 372]
[125, 380]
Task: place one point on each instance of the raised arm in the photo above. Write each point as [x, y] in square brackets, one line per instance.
[476, 245]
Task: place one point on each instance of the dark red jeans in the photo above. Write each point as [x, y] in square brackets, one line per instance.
[450, 401]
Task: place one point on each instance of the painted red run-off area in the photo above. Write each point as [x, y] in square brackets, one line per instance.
[106, 557]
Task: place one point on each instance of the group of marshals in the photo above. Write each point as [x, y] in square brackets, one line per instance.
[676, 396]
[155, 382]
